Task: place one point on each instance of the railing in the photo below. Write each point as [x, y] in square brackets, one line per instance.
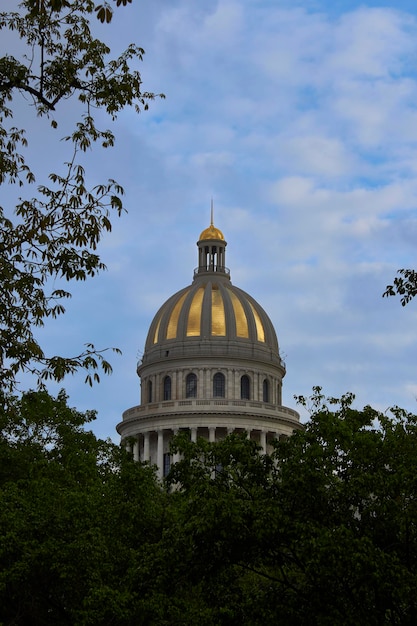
[208, 269]
[215, 405]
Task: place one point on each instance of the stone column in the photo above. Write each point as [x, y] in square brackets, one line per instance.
[180, 386]
[212, 434]
[136, 448]
[263, 441]
[155, 388]
[193, 431]
[174, 392]
[230, 385]
[200, 384]
[176, 456]
[146, 446]
[160, 453]
[208, 393]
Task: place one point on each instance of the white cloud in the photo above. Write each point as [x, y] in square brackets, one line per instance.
[371, 43]
[302, 125]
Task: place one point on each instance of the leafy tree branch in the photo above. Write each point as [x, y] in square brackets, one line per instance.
[55, 234]
[404, 285]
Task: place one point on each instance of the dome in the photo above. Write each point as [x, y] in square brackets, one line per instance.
[211, 310]
[211, 316]
[211, 366]
[211, 233]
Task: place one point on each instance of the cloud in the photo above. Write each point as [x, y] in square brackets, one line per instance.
[299, 119]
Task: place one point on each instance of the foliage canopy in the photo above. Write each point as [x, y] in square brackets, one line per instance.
[321, 532]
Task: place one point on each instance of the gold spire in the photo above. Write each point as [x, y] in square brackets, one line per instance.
[211, 232]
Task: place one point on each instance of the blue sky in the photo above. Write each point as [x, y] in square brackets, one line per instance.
[299, 119]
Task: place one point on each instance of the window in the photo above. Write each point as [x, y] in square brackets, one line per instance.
[150, 391]
[245, 388]
[265, 391]
[191, 386]
[167, 388]
[167, 463]
[219, 385]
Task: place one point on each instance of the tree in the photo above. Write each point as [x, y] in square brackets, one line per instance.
[321, 532]
[79, 520]
[54, 235]
[404, 285]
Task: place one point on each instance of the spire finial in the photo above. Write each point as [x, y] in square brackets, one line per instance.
[211, 219]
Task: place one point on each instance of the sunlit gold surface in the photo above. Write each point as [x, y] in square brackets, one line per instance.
[155, 337]
[212, 233]
[259, 327]
[173, 320]
[215, 304]
[218, 318]
[194, 316]
[242, 329]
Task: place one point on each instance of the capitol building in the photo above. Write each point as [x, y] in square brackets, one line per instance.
[211, 366]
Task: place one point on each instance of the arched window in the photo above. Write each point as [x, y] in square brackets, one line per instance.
[191, 386]
[167, 388]
[219, 385]
[265, 391]
[245, 388]
[150, 399]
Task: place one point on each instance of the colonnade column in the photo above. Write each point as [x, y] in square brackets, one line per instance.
[230, 385]
[256, 387]
[146, 446]
[212, 434]
[193, 431]
[180, 385]
[176, 456]
[174, 391]
[263, 441]
[160, 453]
[200, 384]
[136, 448]
[208, 391]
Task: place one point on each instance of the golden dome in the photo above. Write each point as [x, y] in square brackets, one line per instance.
[211, 318]
[211, 233]
[209, 310]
